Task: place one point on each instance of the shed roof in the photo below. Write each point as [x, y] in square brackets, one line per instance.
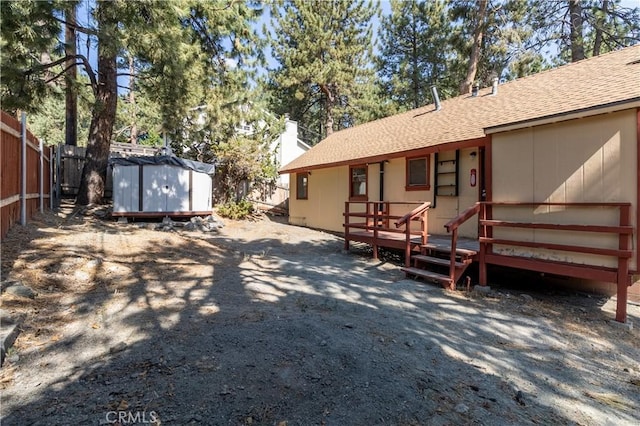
[164, 159]
[608, 82]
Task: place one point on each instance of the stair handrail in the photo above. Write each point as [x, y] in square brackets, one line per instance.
[463, 217]
[421, 210]
[413, 214]
[452, 227]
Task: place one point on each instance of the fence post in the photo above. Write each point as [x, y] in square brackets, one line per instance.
[51, 206]
[58, 174]
[23, 169]
[41, 175]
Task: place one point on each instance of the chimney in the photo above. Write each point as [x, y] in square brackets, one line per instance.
[436, 98]
[494, 87]
[475, 89]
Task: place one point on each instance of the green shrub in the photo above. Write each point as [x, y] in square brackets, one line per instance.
[239, 210]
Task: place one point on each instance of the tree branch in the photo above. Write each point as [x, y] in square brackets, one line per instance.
[83, 61]
[55, 77]
[76, 27]
[137, 76]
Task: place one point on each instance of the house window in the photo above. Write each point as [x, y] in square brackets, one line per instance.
[358, 182]
[418, 174]
[302, 186]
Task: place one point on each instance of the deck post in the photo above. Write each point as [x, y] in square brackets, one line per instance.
[623, 266]
[482, 264]
[387, 212]
[346, 225]
[452, 263]
[407, 248]
[375, 230]
[425, 227]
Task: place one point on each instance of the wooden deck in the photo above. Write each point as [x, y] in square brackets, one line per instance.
[397, 240]
[372, 223]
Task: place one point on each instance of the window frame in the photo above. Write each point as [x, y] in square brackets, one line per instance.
[299, 179]
[359, 197]
[418, 187]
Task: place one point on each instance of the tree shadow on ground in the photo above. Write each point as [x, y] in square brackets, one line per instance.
[186, 329]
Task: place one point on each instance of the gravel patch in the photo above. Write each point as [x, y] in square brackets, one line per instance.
[263, 323]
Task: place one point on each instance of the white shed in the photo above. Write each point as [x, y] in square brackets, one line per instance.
[161, 186]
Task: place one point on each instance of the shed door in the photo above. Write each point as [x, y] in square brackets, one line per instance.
[154, 188]
[177, 192]
[125, 189]
[201, 192]
[166, 189]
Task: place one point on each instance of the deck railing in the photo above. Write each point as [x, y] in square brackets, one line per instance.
[623, 230]
[419, 213]
[373, 224]
[452, 227]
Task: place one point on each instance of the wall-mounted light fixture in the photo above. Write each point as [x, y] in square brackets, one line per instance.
[473, 155]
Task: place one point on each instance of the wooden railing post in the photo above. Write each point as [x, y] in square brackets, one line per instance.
[387, 210]
[406, 221]
[346, 225]
[375, 230]
[452, 263]
[407, 250]
[623, 266]
[425, 227]
[482, 264]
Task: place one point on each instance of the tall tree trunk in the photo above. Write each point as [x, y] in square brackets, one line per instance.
[71, 100]
[474, 59]
[600, 23]
[576, 35]
[103, 116]
[132, 104]
[329, 103]
[416, 74]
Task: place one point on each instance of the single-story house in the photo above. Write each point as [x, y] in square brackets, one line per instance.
[540, 173]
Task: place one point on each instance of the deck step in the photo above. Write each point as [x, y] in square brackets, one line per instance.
[447, 249]
[437, 261]
[433, 276]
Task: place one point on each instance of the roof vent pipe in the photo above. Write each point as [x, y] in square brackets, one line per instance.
[436, 98]
[494, 87]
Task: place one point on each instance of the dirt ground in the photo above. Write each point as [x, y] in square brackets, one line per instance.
[263, 323]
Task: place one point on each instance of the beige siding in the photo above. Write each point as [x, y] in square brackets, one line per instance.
[329, 189]
[468, 195]
[585, 160]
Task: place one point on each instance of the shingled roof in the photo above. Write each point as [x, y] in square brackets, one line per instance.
[604, 83]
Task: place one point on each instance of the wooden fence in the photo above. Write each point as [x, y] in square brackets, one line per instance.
[25, 173]
[71, 162]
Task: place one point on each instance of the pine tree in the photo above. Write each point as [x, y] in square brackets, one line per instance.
[492, 39]
[94, 173]
[28, 29]
[182, 47]
[584, 28]
[323, 50]
[413, 51]
[71, 95]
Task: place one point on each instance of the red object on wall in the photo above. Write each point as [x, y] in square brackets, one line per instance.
[472, 178]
